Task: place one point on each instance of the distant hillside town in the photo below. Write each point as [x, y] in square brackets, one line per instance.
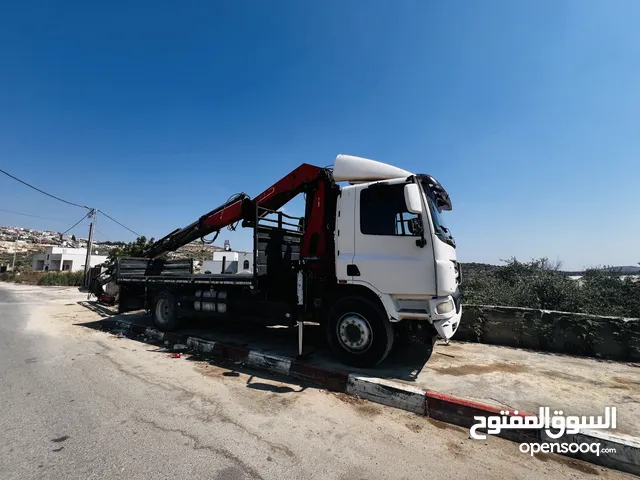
[24, 240]
[29, 236]
[32, 247]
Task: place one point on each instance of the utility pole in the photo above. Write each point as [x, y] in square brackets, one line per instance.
[93, 216]
[13, 265]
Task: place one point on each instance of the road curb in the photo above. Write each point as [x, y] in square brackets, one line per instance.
[385, 392]
[442, 407]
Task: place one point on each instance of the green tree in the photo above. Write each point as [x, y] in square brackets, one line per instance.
[139, 248]
[535, 284]
[541, 284]
[73, 238]
[607, 292]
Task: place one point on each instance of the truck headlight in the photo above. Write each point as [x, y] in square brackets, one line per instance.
[444, 307]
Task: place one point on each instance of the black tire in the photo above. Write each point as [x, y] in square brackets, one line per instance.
[359, 332]
[164, 312]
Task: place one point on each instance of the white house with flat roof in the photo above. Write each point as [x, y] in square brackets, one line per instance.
[229, 261]
[65, 259]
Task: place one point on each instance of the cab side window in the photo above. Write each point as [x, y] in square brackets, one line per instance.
[383, 212]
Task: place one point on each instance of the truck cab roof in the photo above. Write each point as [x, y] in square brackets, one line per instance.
[348, 168]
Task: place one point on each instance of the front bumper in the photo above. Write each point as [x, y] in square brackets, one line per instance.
[447, 328]
[445, 321]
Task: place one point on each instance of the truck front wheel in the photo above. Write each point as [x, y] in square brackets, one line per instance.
[359, 332]
[164, 311]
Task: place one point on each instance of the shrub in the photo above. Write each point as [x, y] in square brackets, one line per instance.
[30, 277]
[542, 285]
[139, 248]
[70, 279]
[6, 277]
[607, 293]
[62, 278]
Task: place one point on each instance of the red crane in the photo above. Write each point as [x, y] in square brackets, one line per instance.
[321, 193]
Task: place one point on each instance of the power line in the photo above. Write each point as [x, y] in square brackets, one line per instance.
[108, 239]
[75, 225]
[32, 216]
[67, 202]
[114, 220]
[42, 191]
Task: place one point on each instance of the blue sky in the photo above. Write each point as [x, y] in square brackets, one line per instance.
[527, 112]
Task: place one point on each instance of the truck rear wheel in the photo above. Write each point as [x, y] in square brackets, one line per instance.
[359, 332]
[164, 311]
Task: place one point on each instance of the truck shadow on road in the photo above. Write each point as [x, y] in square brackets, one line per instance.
[98, 308]
[256, 379]
[404, 363]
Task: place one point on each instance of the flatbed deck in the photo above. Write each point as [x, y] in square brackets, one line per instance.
[190, 279]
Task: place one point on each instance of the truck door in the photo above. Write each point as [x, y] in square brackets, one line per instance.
[386, 254]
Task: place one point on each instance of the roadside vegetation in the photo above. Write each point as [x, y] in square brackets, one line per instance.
[542, 284]
[139, 248]
[70, 279]
[23, 260]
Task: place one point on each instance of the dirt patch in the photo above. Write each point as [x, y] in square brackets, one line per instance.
[625, 381]
[481, 369]
[446, 426]
[350, 399]
[369, 409]
[621, 383]
[578, 465]
[454, 448]
[210, 370]
[559, 375]
[627, 399]
[361, 405]
[414, 427]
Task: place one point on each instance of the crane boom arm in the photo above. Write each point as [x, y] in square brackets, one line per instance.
[242, 207]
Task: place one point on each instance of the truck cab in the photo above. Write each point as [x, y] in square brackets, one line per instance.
[391, 240]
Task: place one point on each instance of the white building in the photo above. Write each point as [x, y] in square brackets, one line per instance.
[66, 259]
[229, 262]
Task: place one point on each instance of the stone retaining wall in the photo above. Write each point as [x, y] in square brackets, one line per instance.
[613, 338]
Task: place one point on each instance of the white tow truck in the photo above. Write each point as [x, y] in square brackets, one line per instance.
[371, 260]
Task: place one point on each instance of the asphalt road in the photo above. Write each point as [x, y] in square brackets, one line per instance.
[82, 404]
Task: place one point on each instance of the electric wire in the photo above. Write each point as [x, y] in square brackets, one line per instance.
[42, 191]
[74, 225]
[65, 201]
[123, 226]
[32, 216]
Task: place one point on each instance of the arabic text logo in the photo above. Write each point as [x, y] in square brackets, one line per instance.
[558, 422]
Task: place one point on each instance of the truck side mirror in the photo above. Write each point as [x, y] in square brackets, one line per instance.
[412, 198]
[415, 226]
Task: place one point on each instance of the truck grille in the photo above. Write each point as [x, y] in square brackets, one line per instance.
[456, 300]
[458, 271]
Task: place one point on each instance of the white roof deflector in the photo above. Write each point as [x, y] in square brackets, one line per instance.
[348, 168]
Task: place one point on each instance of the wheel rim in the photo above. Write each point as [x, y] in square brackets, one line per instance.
[354, 333]
[163, 310]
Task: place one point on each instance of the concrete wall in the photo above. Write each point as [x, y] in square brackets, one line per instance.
[79, 260]
[67, 251]
[613, 338]
[38, 261]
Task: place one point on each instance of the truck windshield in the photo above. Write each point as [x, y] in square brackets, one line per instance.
[441, 231]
